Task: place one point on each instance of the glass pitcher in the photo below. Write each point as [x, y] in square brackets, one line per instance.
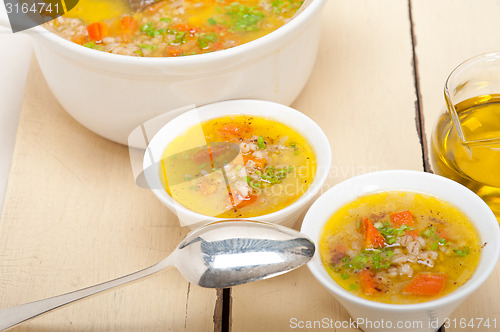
[466, 138]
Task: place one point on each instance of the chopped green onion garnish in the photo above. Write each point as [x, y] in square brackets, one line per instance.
[353, 286]
[260, 143]
[463, 252]
[255, 184]
[211, 21]
[344, 276]
[148, 47]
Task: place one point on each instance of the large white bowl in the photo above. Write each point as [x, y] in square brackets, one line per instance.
[281, 113]
[113, 94]
[433, 313]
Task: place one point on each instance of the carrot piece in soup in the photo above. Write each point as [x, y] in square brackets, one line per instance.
[250, 199]
[260, 163]
[97, 31]
[173, 51]
[368, 282]
[187, 28]
[413, 233]
[426, 284]
[232, 131]
[78, 39]
[241, 202]
[373, 238]
[443, 234]
[402, 218]
[127, 27]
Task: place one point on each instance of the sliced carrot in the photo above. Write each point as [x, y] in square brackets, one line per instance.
[173, 51]
[443, 233]
[250, 199]
[402, 218]
[413, 233]
[78, 39]
[187, 28]
[231, 131]
[127, 26]
[368, 282]
[241, 203]
[97, 31]
[216, 46]
[426, 284]
[373, 238]
[260, 163]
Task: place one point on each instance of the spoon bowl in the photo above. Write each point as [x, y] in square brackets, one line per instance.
[226, 254]
[218, 255]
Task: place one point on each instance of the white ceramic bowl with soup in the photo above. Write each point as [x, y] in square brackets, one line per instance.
[298, 122]
[426, 316]
[112, 94]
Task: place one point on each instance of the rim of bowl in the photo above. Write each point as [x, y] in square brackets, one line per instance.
[319, 178]
[316, 266]
[301, 19]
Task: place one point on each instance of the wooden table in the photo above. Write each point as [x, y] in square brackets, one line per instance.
[73, 216]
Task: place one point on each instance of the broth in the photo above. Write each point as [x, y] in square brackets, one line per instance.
[274, 167]
[172, 28]
[400, 247]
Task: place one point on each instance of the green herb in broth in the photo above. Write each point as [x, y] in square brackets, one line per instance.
[265, 177]
[400, 247]
[173, 27]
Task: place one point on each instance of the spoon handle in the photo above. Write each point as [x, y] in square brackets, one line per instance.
[12, 316]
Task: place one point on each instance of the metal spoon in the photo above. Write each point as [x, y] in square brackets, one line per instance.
[218, 255]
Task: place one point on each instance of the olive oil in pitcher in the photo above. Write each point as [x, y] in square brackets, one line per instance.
[474, 162]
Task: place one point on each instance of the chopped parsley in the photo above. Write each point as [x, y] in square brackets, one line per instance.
[93, 46]
[462, 252]
[206, 39]
[261, 144]
[243, 18]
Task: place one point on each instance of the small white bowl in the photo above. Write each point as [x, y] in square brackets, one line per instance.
[281, 113]
[431, 314]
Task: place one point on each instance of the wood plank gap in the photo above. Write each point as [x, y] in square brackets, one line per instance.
[226, 310]
[218, 311]
[419, 115]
